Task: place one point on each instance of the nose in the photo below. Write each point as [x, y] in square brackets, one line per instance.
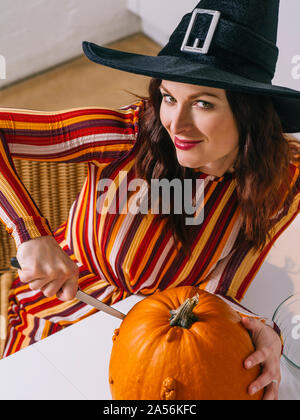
[181, 120]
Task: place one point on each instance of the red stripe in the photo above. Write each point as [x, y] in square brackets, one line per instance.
[24, 320]
[262, 256]
[140, 257]
[35, 139]
[14, 183]
[44, 118]
[78, 233]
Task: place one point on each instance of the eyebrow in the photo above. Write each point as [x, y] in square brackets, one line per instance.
[194, 96]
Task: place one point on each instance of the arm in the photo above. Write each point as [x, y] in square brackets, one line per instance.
[80, 135]
[44, 264]
[77, 135]
[18, 211]
[96, 135]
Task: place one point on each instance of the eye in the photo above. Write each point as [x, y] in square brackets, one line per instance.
[204, 105]
[168, 98]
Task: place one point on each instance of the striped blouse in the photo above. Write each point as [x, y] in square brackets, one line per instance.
[126, 251]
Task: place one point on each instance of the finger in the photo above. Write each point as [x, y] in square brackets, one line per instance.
[271, 392]
[263, 381]
[258, 357]
[252, 324]
[68, 290]
[53, 287]
[38, 284]
[27, 278]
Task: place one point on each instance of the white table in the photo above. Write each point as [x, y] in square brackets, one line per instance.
[73, 364]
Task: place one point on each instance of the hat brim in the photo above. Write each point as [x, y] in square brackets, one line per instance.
[286, 100]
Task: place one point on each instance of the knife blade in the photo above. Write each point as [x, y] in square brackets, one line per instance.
[90, 300]
[84, 297]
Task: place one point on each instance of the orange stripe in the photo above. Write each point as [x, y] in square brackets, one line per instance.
[221, 246]
[46, 329]
[63, 123]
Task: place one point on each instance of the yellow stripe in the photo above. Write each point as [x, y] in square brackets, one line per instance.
[30, 323]
[64, 111]
[97, 285]
[11, 194]
[24, 344]
[110, 196]
[71, 156]
[20, 289]
[58, 308]
[174, 254]
[81, 216]
[206, 235]
[221, 245]
[76, 217]
[168, 265]
[54, 125]
[130, 255]
[46, 329]
[250, 259]
[6, 185]
[99, 254]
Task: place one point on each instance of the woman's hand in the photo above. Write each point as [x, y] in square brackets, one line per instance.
[268, 351]
[46, 267]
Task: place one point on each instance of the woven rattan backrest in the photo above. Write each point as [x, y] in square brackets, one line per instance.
[53, 186]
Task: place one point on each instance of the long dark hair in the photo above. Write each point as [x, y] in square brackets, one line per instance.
[262, 168]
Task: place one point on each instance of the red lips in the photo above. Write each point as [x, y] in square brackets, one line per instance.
[185, 144]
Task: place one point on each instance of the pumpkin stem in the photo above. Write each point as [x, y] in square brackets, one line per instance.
[184, 316]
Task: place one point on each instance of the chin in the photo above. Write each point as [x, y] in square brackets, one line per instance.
[188, 163]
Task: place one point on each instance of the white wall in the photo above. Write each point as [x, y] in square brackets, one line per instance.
[160, 17]
[38, 34]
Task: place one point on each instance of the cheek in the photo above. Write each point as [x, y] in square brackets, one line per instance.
[165, 118]
[232, 133]
[223, 130]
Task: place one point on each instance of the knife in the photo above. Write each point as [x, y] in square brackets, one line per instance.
[84, 297]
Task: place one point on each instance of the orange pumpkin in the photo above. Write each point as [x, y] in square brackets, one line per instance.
[197, 355]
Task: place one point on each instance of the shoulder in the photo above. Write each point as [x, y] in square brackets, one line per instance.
[295, 175]
[295, 187]
[133, 112]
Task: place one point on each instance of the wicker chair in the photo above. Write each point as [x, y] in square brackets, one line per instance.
[53, 186]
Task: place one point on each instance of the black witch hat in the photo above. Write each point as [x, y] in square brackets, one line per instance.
[227, 44]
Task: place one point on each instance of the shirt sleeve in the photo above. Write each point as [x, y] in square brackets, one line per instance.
[96, 135]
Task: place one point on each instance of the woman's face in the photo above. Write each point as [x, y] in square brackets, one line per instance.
[201, 125]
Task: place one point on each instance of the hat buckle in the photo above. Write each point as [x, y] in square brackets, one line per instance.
[209, 36]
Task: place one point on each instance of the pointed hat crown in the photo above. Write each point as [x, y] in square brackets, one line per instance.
[243, 40]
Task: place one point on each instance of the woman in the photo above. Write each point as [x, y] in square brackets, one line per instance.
[211, 116]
